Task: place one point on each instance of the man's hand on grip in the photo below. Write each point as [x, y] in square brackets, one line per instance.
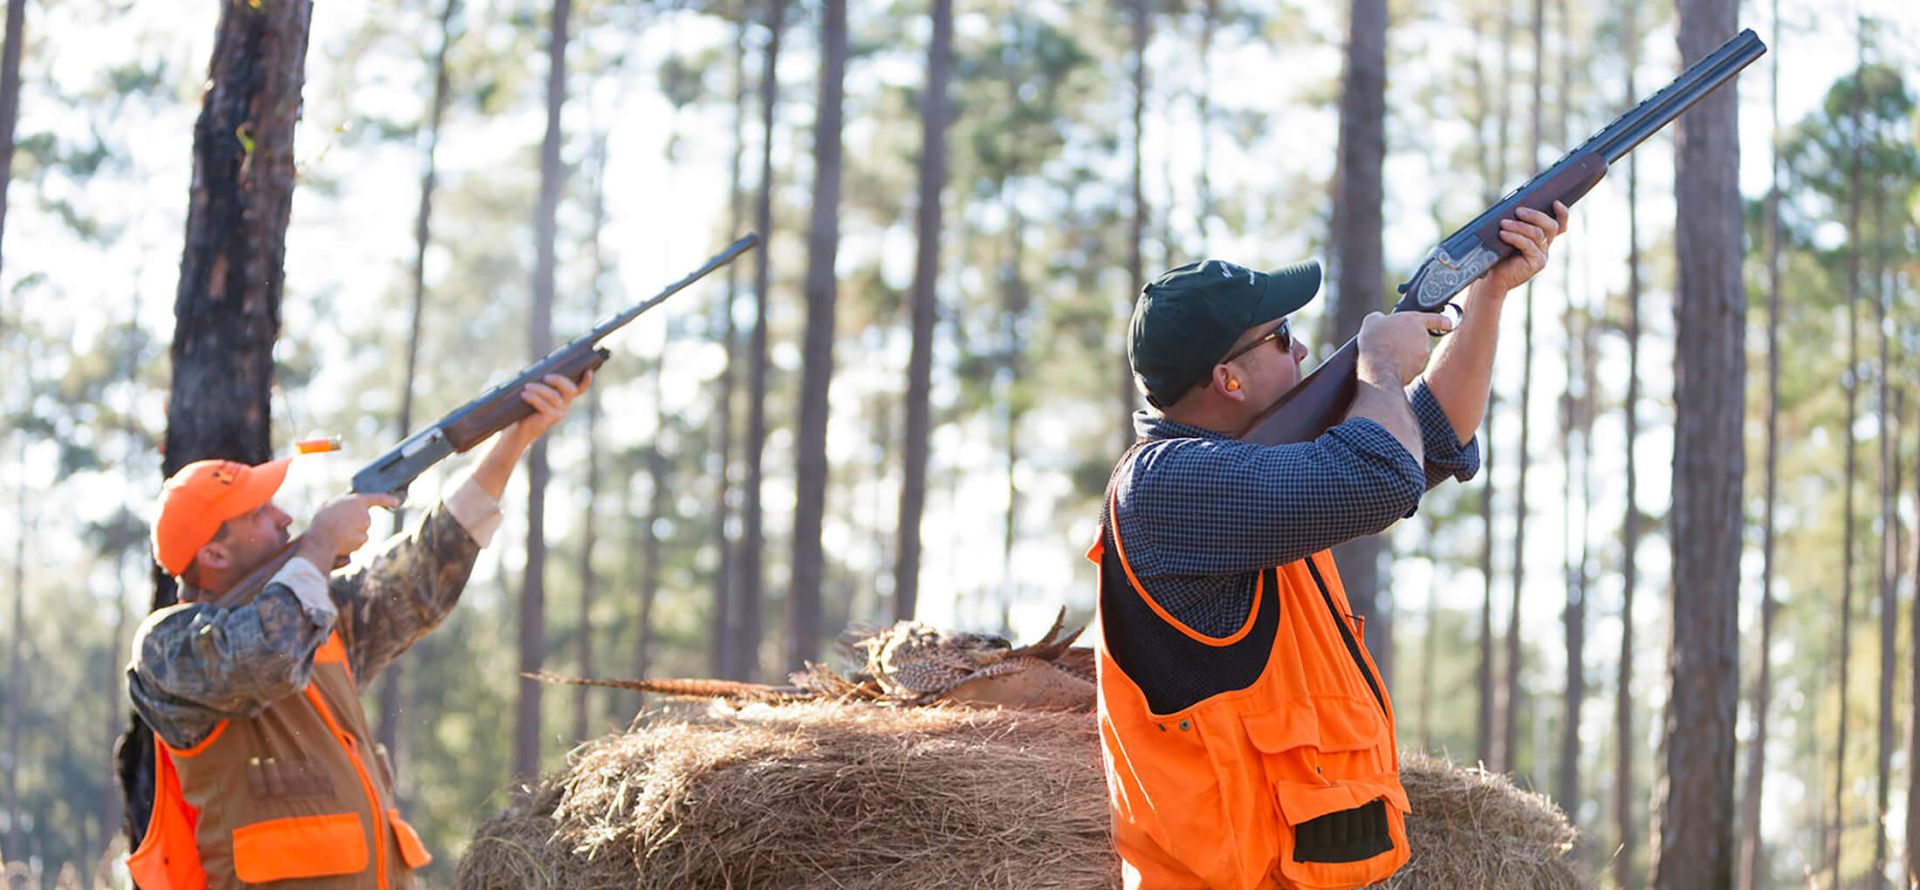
[1394, 347]
[340, 527]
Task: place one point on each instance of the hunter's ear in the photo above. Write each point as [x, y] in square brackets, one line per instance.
[1228, 383]
[213, 555]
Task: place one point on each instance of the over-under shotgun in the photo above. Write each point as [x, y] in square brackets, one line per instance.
[1321, 399]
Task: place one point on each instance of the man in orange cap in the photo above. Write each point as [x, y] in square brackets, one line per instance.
[266, 767]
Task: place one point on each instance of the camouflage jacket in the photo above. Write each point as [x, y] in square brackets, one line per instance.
[195, 665]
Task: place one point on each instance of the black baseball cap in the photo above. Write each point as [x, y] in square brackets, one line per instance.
[1188, 318]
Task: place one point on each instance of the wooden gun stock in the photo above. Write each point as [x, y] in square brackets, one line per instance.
[1316, 403]
[244, 590]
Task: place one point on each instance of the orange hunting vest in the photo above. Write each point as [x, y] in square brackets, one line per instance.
[1262, 759]
[298, 792]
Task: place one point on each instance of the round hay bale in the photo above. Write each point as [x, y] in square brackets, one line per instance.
[852, 795]
[1473, 828]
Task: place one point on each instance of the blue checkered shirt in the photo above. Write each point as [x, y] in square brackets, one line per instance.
[1202, 514]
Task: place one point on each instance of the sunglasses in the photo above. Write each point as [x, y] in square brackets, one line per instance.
[1283, 335]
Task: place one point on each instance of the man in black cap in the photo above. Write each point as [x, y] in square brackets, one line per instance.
[1247, 736]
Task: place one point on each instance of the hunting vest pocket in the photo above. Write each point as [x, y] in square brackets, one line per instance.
[1342, 814]
[412, 851]
[1336, 838]
[299, 847]
[1343, 836]
[1318, 740]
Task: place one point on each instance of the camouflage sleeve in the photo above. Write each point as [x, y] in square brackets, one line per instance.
[195, 665]
[414, 581]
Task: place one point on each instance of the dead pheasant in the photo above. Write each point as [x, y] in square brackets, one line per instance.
[915, 664]
[733, 689]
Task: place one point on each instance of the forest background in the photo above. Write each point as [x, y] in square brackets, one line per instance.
[1087, 146]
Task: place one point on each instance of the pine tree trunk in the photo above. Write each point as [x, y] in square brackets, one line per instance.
[1358, 268]
[10, 98]
[721, 630]
[1750, 859]
[1913, 721]
[650, 537]
[746, 646]
[533, 595]
[1626, 800]
[1851, 381]
[227, 306]
[16, 845]
[1576, 423]
[1141, 11]
[1507, 715]
[1014, 302]
[1574, 617]
[1429, 648]
[1486, 724]
[589, 522]
[393, 697]
[1883, 778]
[816, 373]
[934, 115]
[1203, 102]
[1693, 800]
[131, 546]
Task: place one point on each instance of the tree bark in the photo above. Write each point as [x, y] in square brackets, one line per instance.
[10, 99]
[650, 538]
[589, 522]
[1203, 102]
[1486, 724]
[227, 306]
[1507, 715]
[1851, 381]
[1140, 11]
[1913, 722]
[721, 631]
[393, 697]
[1014, 301]
[1429, 647]
[130, 544]
[934, 116]
[533, 594]
[1625, 799]
[746, 645]
[1883, 784]
[1576, 421]
[1693, 800]
[1750, 876]
[1358, 268]
[816, 373]
[15, 848]
[1574, 617]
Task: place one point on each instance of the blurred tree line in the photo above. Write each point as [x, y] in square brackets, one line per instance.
[909, 402]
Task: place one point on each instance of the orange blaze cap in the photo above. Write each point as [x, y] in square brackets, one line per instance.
[203, 495]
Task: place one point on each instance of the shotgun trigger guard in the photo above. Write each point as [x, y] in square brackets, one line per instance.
[1446, 275]
[1454, 315]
